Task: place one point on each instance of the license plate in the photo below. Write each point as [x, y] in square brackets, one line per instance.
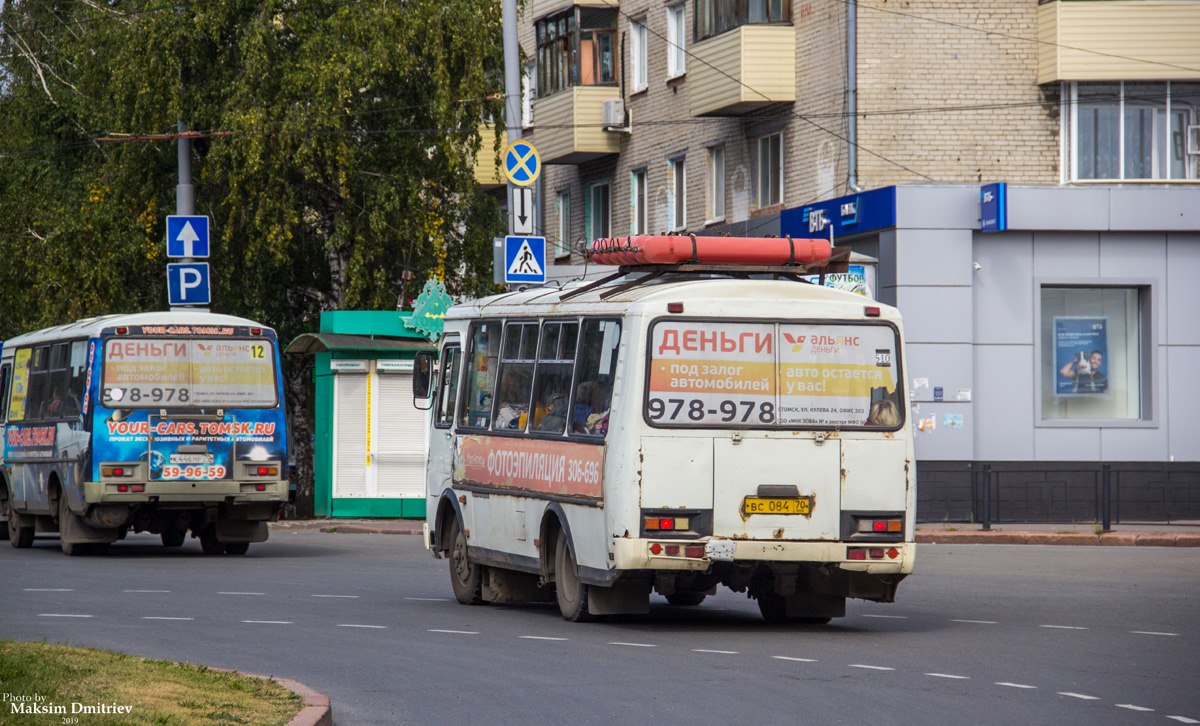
[765, 505]
[191, 458]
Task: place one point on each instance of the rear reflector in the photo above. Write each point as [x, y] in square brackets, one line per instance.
[856, 553]
[261, 487]
[871, 312]
[693, 551]
[893, 553]
[672, 549]
[656, 549]
[676, 307]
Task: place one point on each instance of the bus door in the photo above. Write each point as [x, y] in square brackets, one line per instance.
[441, 438]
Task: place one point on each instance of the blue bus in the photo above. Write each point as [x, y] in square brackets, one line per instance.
[164, 422]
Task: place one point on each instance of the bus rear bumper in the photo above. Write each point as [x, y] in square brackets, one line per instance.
[199, 493]
[638, 554]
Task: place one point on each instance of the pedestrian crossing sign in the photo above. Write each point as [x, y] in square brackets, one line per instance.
[525, 260]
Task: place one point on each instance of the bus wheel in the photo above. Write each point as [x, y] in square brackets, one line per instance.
[237, 548]
[20, 536]
[208, 541]
[773, 607]
[69, 548]
[572, 593]
[465, 576]
[686, 599]
[173, 537]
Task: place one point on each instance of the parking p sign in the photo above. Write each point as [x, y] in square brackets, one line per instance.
[187, 283]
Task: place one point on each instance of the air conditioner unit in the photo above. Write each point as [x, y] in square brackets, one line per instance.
[612, 115]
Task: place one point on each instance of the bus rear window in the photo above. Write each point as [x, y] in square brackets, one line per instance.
[192, 373]
[740, 374]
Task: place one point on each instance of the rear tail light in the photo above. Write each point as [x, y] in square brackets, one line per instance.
[266, 471]
[116, 471]
[695, 551]
[871, 311]
[131, 487]
[675, 307]
[672, 549]
[261, 487]
[874, 553]
[256, 331]
[856, 553]
[657, 524]
[882, 526]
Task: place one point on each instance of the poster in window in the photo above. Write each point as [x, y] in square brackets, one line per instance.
[1080, 356]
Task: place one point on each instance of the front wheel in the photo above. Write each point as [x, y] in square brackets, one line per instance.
[237, 548]
[571, 592]
[465, 576]
[19, 536]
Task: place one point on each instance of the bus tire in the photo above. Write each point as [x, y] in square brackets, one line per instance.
[237, 548]
[173, 537]
[20, 535]
[571, 592]
[209, 544]
[686, 599]
[773, 607]
[69, 548]
[465, 576]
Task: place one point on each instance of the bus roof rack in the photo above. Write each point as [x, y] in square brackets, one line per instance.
[838, 261]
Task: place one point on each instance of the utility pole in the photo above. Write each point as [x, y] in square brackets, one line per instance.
[512, 86]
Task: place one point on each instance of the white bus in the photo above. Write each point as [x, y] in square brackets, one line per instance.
[596, 444]
[158, 422]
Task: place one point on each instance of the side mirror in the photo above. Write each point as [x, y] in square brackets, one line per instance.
[422, 374]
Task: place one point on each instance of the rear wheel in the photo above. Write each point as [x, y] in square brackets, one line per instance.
[571, 592]
[70, 549]
[465, 576]
[208, 541]
[173, 537]
[20, 536]
[773, 607]
[237, 548]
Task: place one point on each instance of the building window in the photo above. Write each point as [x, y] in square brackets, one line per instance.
[599, 221]
[676, 41]
[769, 159]
[637, 54]
[717, 16]
[562, 203]
[678, 201]
[1095, 353]
[1132, 130]
[637, 201]
[716, 184]
[576, 48]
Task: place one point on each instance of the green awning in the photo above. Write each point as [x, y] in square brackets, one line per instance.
[311, 343]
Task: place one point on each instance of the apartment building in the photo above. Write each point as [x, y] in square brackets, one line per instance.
[1079, 116]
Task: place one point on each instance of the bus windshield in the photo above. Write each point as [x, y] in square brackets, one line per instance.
[768, 374]
[191, 373]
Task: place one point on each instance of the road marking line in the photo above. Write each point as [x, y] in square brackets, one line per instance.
[1132, 707]
[635, 645]
[798, 660]
[49, 589]
[429, 599]
[1079, 695]
[947, 675]
[163, 617]
[871, 667]
[352, 625]
[269, 622]
[1183, 719]
[1013, 685]
[892, 617]
[239, 593]
[345, 596]
[539, 637]
[1063, 627]
[63, 615]
[977, 622]
[720, 652]
[1151, 632]
[455, 632]
[155, 591]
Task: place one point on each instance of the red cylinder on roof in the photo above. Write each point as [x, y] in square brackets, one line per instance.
[679, 249]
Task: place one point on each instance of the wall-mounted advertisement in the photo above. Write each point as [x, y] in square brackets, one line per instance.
[1080, 356]
[853, 280]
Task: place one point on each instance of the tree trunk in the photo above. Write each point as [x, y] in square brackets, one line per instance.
[298, 372]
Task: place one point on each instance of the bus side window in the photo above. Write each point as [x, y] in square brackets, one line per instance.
[39, 382]
[597, 367]
[4, 375]
[475, 411]
[76, 376]
[448, 388]
[556, 364]
[516, 376]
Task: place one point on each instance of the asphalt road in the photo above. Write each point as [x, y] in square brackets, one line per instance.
[982, 634]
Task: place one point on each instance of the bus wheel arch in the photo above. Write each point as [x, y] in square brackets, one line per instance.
[554, 526]
[447, 511]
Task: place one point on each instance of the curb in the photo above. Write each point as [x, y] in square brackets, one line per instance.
[316, 712]
[334, 526]
[1046, 538]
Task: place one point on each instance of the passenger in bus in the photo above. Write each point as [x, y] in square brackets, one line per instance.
[591, 408]
[54, 407]
[884, 413]
[514, 401]
[552, 416]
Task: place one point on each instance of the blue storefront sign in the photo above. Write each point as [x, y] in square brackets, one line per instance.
[993, 207]
[851, 214]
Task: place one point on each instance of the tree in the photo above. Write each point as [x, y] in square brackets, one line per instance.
[335, 157]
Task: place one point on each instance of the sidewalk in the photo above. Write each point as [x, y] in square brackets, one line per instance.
[1151, 534]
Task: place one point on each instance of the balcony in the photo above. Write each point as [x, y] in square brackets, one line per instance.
[567, 125]
[742, 70]
[489, 172]
[1123, 35]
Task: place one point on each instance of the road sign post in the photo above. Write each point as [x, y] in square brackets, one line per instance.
[525, 260]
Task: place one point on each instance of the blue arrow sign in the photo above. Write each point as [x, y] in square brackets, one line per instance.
[525, 259]
[187, 236]
[522, 163]
[187, 283]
